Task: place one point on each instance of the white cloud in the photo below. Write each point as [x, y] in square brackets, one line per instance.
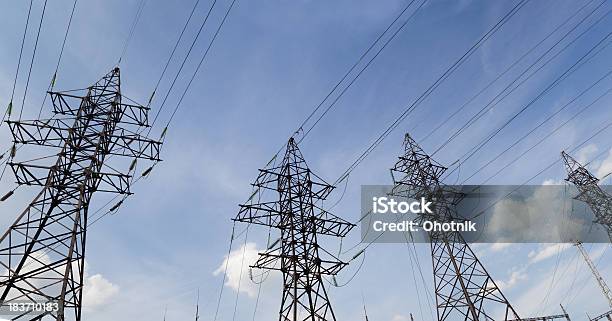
[523, 218]
[553, 182]
[546, 251]
[515, 278]
[237, 263]
[605, 167]
[496, 247]
[570, 283]
[585, 153]
[400, 317]
[98, 291]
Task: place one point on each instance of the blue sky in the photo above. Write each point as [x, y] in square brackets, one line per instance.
[273, 62]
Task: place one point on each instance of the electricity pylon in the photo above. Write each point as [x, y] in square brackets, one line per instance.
[565, 316]
[464, 289]
[590, 192]
[607, 316]
[601, 205]
[600, 280]
[548, 317]
[43, 251]
[297, 255]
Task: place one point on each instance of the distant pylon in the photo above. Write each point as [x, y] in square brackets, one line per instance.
[547, 318]
[43, 252]
[607, 316]
[590, 192]
[601, 205]
[565, 316]
[600, 280]
[297, 254]
[464, 289]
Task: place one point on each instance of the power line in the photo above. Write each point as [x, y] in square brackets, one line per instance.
[546, 137]
[433, 87]
[244, 248]
[136, 180]
[608, 125]
[516, 142]
[25, 92]
[479, 114]
[59, 59]
[193, 43]
[598, 132]
[361, 71]
[505, 92]
[139, 10]
[9, 109]
[176, 44]
[510, 67]
[212, 41]
[363, 55]
[229, 251]
[349, 71]
[575, 66]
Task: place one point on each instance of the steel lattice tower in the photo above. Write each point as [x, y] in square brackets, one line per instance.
[590, 192]
[601, 205]
[464, 289]
[607, 316]
[43, 252]
[600, 280]
[298, 254]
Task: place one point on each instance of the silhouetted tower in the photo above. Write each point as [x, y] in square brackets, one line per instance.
[464, 289]
[565, 316]
[43, 251]
[590, 192]
[292, 210]
[607, 316]
[600, 280]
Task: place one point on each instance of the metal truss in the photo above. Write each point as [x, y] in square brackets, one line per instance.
[43, 252]
[546, 318]
[607, 316]
[298, 254]
[464, 289]
[590, 192]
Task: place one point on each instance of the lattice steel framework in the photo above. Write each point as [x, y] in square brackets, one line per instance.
[590, 192]
[293, 211]
[548, 317]
[43, 251]
[600, 280]
[565, 316]
[464, 289]
[607, 316]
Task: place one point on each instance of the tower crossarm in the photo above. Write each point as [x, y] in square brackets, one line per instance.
[268, 178]
[56, 133]
[330, 224]
[40, 175]
[132, 114]
[269, 214]
[271, 260]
